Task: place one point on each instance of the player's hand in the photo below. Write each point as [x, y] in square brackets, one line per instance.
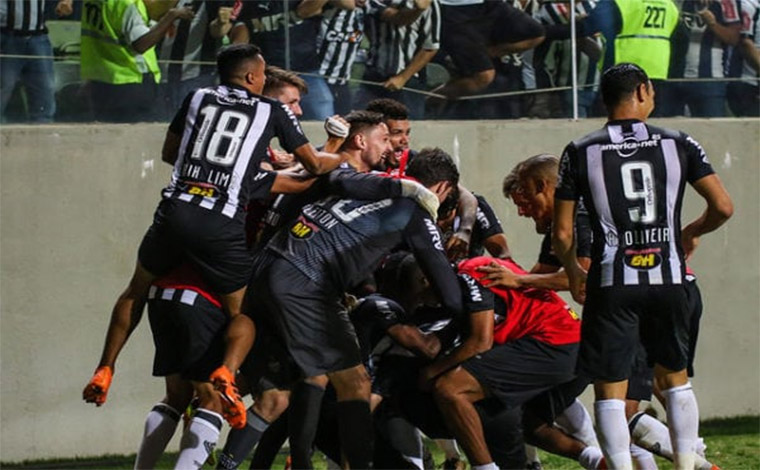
[421, 195]
[576, 276]
[336, 126]
[64, 8]
[96, 390]
[689, 242]
[395, 83]
[281, 159]
[708, 17]
[458, 245]
[422, 4]
[498, 276]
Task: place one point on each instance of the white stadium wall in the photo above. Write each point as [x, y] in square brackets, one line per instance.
[76, 200]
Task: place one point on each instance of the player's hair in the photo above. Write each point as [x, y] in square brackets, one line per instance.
[433, 165]
[361, 121]
[509, 185]
[620, 81]
[231, 59]
[389, 108]
[541, 167]
[278, 78]
[396, 273]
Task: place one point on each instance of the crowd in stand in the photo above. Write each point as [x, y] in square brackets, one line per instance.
[139, 58]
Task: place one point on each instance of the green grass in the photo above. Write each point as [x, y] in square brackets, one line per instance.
[732, 444]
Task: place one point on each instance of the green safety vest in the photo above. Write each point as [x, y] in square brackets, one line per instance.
[106, 55]
[644, 38]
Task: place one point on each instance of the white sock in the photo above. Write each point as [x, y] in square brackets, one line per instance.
[591, 458]
[683, 422]
[199, 439]
[612, 430]
[449, 447]
[643, 459]
[651, 434]
[488, 466]
[531, 454]
[160, 425]
[577, 422]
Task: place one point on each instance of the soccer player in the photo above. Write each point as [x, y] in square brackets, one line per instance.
[631, 177]
[215, 142]
[509, 331]
[397, 119]
[334, 244]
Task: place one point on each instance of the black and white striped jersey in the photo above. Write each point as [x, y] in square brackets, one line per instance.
[225, 134]
[631, 177]
[23, 16]
[191, 44]
[340, 34]
[391, 47]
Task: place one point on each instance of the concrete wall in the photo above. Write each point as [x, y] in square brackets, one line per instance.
[75, 201]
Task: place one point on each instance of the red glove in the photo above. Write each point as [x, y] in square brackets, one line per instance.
[97, 390]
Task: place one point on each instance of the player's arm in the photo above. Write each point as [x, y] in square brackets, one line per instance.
[477, 342]
[170, 149]
[719, 209]
[563, 241]
[728, 34]
[556, 279]
[239, 34]
[424, 240]
[750, 53]
[373, 187]
[420, 60]
[410, 337]
[458, 245]
[496, 245]
[290, 182]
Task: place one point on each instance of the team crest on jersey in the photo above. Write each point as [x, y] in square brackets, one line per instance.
[643, 260]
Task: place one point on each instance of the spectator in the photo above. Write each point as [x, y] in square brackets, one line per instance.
[340, 33]
[190, 43]
[744, 96]
[712, 26]
[119, 57]
[475, 32]
[24, 33]
[404, 35]
[261, 23]
[553, 61]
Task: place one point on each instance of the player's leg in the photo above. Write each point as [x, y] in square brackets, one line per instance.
[303, 418]
[202, 432]
[353, 389]
[682, 412]
[267, 407]
[161, 422]
[609, 409]
[455, 392]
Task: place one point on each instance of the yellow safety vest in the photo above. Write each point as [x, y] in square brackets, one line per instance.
[106, 55]
[644, 38]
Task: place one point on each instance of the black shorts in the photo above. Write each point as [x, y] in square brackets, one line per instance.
[616, 319]
[310, 319]
[213, 242]
[396, 374]
[694, 298]
[502, 371]
[188, 332]
[268, 365]
[466, 32]
[553, 402]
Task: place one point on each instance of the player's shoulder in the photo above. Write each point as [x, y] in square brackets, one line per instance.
[666, 133]
[595, 137]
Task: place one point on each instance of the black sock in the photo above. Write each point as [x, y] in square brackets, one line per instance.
[303, 415]
[355, 429]
[270, 444]
[240, 442]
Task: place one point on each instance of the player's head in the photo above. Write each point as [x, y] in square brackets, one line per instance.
[436, 170]
[400, 278]
[286, 87]
[243, 65]
[626, 87]
[533, 193]
[396, 116]
[369, 136]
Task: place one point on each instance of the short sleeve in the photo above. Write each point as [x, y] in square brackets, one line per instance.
[476, 298]
[177, 125]
[697, 164]
[567, 188]
[287, 128]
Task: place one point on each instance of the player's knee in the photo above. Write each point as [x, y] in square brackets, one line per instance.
[483, 78]
[445, 390]
[272, 404]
